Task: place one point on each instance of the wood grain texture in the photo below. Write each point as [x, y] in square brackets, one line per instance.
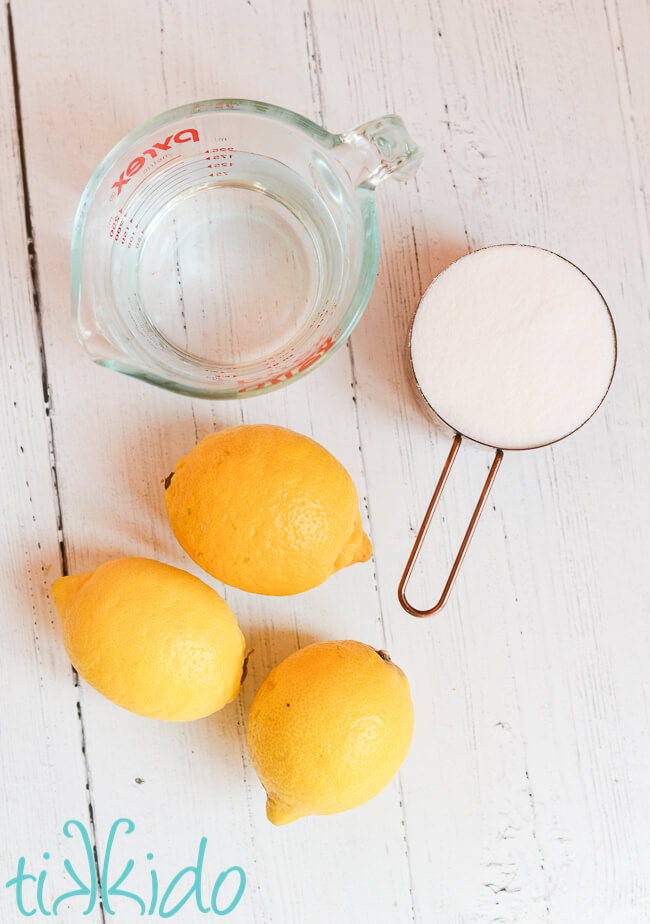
[45, 777]
[525, 795]
[198, 771]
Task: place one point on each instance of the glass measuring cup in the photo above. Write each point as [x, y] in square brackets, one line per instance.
[227, 247]
[507, 400]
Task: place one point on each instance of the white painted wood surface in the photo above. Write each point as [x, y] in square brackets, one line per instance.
[525, 795]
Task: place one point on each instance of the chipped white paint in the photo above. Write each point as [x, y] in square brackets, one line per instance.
[525, 797]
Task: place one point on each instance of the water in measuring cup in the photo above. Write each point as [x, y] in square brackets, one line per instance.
[231, 267]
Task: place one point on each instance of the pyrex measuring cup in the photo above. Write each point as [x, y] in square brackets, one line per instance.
[227, 247]
[509, 399]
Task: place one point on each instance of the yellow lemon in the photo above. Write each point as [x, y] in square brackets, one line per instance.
[265, 509]
[329, 729]
[151, 638]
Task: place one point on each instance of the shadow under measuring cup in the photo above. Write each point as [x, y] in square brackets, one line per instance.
[514, 347]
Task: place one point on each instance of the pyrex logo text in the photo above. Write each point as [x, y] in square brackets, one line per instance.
[186, 134]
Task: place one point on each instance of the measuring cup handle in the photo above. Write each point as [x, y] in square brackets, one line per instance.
[426, 522]
[378, 149]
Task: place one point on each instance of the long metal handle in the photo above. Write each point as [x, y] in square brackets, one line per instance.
[478, 510]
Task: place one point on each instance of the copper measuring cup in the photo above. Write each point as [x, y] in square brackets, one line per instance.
[494, 468]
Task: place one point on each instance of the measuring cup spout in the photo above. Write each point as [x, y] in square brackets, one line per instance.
[377, 149]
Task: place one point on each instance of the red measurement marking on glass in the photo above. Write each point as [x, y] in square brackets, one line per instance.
[321, 349]
[219, 159]
[143, 204]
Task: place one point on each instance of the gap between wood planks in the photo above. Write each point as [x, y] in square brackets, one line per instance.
[315, 68]
[624, 90]
[38, 320]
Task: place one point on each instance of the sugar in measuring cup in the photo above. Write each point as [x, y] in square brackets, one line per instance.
[227, 247]
[514, 347]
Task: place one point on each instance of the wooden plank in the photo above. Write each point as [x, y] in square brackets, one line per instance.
[517, 794]
[44, 775]
[124, 437]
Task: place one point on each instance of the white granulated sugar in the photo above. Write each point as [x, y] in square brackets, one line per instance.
[513, 346]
